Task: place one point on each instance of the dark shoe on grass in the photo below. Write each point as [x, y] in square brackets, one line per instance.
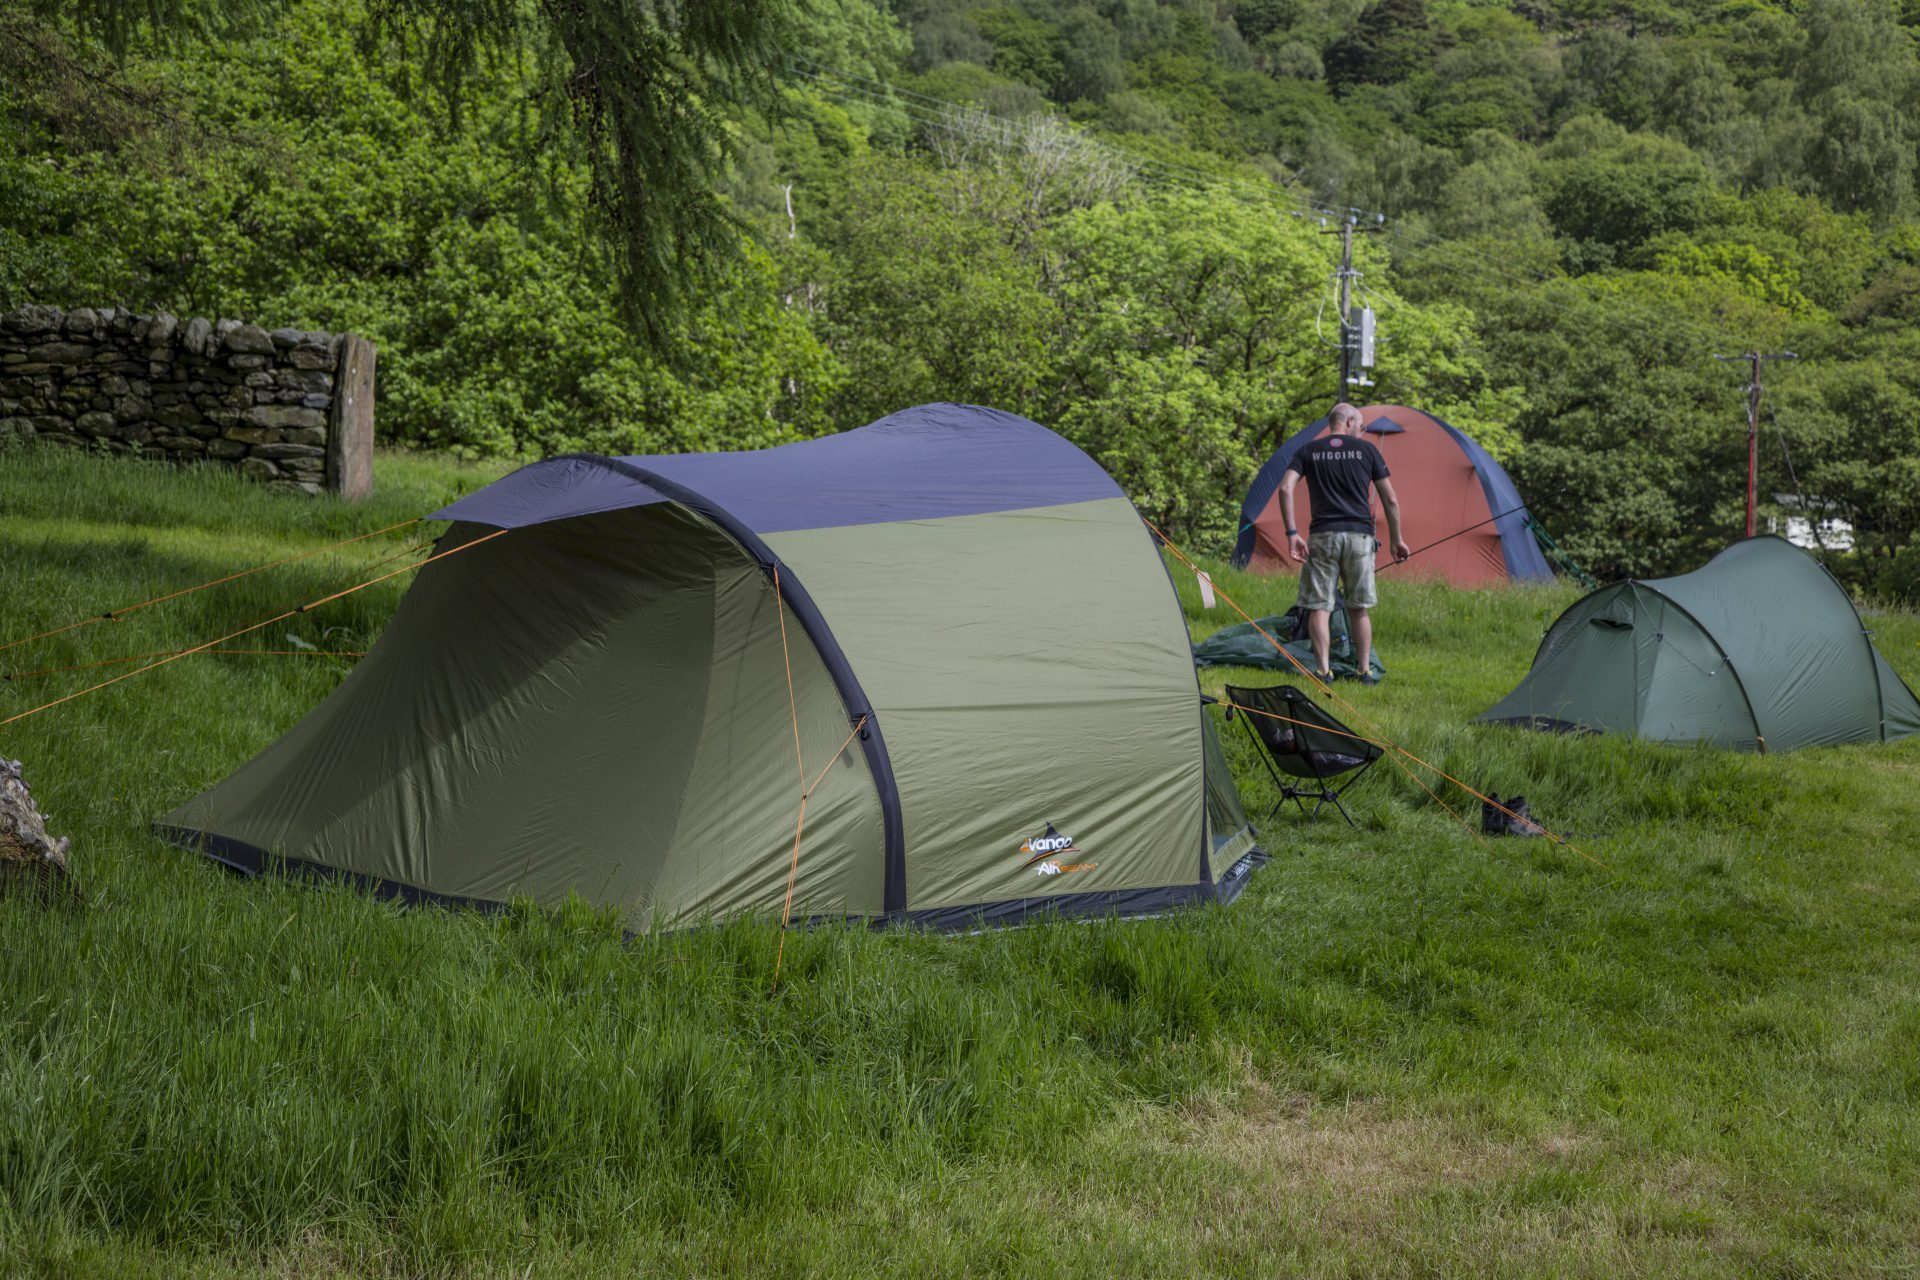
[1368, 678]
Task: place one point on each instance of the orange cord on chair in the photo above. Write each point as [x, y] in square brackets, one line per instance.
[1355, 711]
[1367, 721]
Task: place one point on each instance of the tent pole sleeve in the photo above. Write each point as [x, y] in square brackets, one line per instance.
[1726, 660]
[814, 623]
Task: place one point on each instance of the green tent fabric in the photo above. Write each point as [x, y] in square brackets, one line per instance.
[604, 700]
[1760, 649]
[1243, 645]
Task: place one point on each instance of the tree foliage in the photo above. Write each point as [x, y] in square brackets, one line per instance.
[641, 94]
[832, 210]
[1392, 40]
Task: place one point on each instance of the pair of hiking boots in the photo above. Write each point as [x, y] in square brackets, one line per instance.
[1328, 677]
[1294, 627]
[1509, 817]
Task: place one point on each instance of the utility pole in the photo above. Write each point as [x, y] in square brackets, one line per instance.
[1755, 359]
[1356, 331]
[1346, 305]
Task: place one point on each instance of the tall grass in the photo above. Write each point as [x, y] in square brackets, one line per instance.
[1404, 1052]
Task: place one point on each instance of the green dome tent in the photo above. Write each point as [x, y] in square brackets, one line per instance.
[623, 695]
[1760, 649]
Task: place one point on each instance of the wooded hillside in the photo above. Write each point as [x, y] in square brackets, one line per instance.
[1104, 216]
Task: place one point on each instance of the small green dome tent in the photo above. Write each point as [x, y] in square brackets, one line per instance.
[1760, 649]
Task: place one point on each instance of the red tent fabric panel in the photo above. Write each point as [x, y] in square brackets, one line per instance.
[1439, 492]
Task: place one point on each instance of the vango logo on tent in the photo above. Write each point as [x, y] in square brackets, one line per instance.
[1046, 845]
[1043, 851]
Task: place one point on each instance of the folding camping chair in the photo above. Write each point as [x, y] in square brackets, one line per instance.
[1302, 741]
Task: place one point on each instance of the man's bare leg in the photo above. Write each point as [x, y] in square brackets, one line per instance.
[1318, 633]
[1360, 623]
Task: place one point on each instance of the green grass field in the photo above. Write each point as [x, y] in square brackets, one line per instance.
[1402, 1053]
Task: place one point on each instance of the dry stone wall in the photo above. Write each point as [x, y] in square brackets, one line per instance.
[289, 407]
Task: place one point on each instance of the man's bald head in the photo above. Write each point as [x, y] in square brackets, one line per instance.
[1345, 419]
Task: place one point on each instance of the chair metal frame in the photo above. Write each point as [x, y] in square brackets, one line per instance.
[1287, 783]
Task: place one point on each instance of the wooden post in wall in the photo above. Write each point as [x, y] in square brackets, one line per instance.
[350, 425]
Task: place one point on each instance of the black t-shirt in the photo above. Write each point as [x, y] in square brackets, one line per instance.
[1340, 471]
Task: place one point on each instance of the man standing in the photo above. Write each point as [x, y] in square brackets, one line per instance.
[1340, 469]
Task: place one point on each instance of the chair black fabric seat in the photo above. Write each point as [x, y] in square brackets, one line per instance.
[1325, 764]
[1300, 739]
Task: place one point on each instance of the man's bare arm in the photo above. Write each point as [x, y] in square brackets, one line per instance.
[1296, 542]
[1390, 503]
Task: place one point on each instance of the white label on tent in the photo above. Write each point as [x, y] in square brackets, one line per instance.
[1206, 590]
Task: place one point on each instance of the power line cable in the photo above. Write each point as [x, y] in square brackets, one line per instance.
[951, 115]
[1433, 246]
[884, 92]
[958, 120]
[1813, 517]
[1145, 173]
[1774, 419]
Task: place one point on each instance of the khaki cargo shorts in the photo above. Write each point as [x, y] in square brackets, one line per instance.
[1346, 558]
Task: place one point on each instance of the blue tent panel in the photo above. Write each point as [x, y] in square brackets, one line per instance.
[1521, 550]
[556, 489]
[919, 464]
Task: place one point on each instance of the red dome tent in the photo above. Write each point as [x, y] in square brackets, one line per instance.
[1446, 483]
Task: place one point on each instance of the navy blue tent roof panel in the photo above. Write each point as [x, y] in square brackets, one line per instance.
[1518, 547]
[919, 464]
[556, 489]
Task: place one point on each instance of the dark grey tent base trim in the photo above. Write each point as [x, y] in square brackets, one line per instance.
[251, 860]
[238, 855]
[1121, 902]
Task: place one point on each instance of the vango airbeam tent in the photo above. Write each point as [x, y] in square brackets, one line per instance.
[598, 700]
[1760, 649]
